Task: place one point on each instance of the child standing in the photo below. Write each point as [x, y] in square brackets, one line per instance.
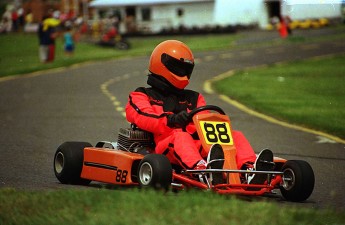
[69, 41]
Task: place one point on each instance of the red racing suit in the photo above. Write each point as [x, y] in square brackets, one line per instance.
[148, 109]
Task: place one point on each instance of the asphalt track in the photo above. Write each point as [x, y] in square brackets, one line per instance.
[39, 111]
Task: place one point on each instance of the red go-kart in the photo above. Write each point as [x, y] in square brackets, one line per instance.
[131, 161]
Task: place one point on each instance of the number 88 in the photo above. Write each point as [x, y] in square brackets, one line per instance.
[217, 132]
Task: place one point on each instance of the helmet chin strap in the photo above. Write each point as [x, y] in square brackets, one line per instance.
[162, 85]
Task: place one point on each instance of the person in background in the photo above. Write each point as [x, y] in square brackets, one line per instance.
[29, 17]
[15, 20]
[47, 35]
[44, 40]
[52, 24]
[21, 20]
[69, 43]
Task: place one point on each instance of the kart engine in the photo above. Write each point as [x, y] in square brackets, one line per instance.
[135, 140]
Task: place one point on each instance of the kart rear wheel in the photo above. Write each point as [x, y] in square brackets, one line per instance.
[298, 180]
[155, 171]
[68, 163]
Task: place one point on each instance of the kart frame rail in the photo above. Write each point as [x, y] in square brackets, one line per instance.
[273, 179]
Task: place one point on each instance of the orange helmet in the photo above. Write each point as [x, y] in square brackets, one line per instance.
[174, 61]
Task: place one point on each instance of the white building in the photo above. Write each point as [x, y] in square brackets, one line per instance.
[155, 15]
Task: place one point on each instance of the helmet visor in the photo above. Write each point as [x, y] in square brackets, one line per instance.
[181, 68]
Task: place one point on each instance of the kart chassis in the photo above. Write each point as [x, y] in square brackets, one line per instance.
[131, 163]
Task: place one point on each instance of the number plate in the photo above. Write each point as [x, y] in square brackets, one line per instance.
[216, 132]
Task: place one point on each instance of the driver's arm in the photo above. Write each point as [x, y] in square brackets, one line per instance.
[140, 112]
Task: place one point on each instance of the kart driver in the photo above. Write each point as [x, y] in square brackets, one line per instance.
[162, 110]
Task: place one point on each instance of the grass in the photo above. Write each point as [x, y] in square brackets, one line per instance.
[132, 206]
[309, 92]
[19, 52]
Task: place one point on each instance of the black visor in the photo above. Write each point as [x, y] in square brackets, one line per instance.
[180, 67]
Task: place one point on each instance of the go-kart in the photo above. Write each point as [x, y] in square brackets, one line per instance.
[117, 41]
[131, 161]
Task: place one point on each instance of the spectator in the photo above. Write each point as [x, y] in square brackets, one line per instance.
[28, 17]
[15, 21]
[44, 40]
[3, 26]
[6, 22]
[21, 20]
[47, 35]
[69, 43]
[50, 24]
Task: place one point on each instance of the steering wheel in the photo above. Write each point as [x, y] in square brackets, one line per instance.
[205, 108]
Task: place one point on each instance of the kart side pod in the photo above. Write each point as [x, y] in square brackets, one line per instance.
[110, 166]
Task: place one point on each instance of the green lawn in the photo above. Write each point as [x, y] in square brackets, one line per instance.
[131, 206]
[19, 52]
[310, 93]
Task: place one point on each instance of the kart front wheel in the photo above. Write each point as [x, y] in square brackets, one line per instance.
[155, 171]
[68, 163]
[298, 180]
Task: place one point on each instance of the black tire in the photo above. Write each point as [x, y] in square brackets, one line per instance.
[298, 180]
[68, 163]
[155, 171]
